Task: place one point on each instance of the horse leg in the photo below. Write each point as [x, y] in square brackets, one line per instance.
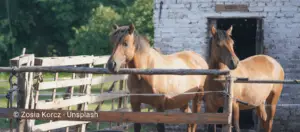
[210, 108]
[186, 109]
[236, 116]
[136, 107]
[261, 113]
[160, 126]
[272, 101]
[196, 108]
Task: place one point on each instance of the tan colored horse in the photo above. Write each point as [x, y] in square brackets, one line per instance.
[135, 51]
[222, 57]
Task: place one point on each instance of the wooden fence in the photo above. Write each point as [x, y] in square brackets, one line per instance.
[29, 90]
[30, 87]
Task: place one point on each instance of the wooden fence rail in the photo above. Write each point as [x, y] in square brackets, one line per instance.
[110, 116]
[81, 81]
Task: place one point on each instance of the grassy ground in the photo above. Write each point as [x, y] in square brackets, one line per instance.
[106, 106]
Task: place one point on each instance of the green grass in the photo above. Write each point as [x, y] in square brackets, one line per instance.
[106, 106]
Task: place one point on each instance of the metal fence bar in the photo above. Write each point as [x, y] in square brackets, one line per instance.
[247, 80]
[121, 71]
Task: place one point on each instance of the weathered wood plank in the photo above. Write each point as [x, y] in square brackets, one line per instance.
[71, 60]
[63, 83]
[24, 85]
[30, 98]
[140, 117]
[59, 103]
[54, 91]
[56, 125]
[70, 96]
[231, 7]
[105, 79]
[64, 61]
[86, 90]
[228, 104]
[98, 108]
[100, 60]
[20, 60]
[80, 81]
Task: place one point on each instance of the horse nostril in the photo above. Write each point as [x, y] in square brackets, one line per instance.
[113, 64]
[232, 63]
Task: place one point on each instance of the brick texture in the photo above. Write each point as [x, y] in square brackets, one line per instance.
[183, 26]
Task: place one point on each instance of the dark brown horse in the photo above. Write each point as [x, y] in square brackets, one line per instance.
[223, 57]
[135, 51]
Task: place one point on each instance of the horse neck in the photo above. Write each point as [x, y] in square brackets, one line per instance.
[215, 85]
[145, 60]
[213, 64]
[142, 60]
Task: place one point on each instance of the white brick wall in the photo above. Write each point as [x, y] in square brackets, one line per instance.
[183, 26]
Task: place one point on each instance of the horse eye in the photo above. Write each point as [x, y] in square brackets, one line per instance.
[125, 44]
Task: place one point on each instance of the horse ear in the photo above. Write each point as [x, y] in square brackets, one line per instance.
[131, 28]
[229, 30]
[115, 26]
[213, 30]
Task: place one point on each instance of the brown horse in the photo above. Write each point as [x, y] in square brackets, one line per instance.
[135, 51]
[223, 57]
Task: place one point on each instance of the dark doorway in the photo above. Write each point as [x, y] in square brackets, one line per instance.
[244, 34]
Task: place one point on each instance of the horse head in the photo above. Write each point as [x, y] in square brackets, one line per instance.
[222, 48]
[127, 42]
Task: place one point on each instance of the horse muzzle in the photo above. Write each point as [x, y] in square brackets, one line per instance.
[233, 64]
[112, 66]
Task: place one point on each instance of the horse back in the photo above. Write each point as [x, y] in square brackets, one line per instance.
[191, 58]
[262, 65]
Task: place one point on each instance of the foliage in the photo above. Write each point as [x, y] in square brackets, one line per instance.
[5, 39]
[141, 15]
[67, 27]
[93, 37]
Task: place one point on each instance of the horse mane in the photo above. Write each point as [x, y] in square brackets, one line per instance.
[141, 42]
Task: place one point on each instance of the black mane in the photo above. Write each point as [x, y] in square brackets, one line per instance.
[221, 35]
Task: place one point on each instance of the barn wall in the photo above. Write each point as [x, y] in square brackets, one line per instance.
[183, 26]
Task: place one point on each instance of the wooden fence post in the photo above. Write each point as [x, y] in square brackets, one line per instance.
[21, 100]
[25, 96]
[100, 103]
[85, 89]
[120, 104]
[228, 103]
[71, 92]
